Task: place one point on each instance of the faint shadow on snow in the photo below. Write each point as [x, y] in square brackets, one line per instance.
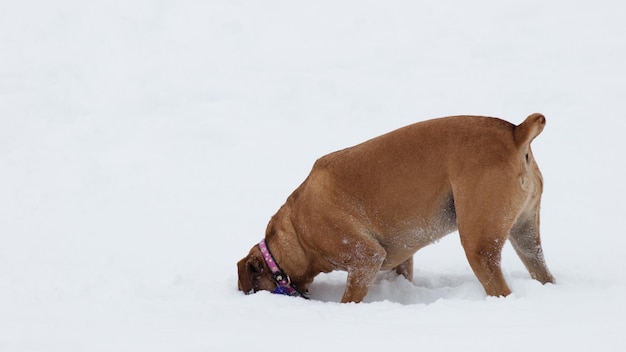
[426, 288]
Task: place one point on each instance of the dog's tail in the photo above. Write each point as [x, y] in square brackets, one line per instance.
[529, 129]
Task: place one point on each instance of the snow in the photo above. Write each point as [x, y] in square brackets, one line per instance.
[144, 146]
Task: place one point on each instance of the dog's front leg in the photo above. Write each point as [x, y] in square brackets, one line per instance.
[362, 269]
[406, 269]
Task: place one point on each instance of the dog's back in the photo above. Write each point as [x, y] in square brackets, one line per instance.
[405, 177]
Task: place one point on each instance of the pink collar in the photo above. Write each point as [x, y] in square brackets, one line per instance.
[284, 282]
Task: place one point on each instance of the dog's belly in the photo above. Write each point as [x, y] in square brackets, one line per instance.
[405, 238]
[401, 245]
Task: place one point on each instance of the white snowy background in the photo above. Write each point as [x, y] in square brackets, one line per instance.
[144, 145]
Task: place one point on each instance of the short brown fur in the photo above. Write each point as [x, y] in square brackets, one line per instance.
[372, 206]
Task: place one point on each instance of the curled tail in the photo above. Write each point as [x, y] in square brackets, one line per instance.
[529, 129]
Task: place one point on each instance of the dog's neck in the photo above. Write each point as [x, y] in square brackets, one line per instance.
[288, 252]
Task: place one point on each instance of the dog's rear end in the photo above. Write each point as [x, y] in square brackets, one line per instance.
[502, 202]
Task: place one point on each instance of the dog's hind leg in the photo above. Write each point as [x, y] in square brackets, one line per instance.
[484, 254]
[406, 269]
[484, 223]
[524, 237]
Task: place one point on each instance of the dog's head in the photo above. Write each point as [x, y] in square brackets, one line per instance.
[254, 274]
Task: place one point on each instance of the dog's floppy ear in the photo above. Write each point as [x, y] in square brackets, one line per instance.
[250, 270]
[255, 267]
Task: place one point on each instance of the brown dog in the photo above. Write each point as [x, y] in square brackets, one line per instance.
[372, 206]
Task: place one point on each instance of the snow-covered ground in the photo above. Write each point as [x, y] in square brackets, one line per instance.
[144, 145]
